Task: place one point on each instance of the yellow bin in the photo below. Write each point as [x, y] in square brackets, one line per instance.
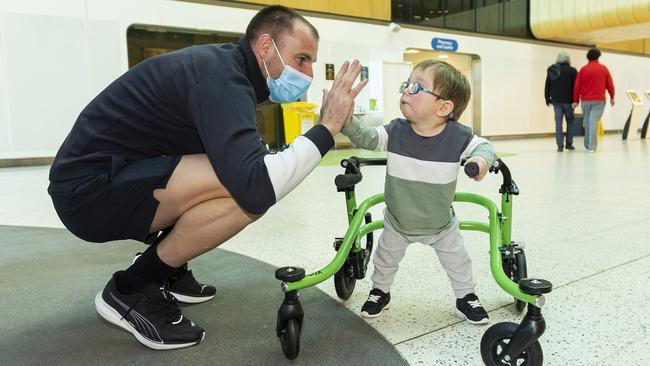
[298, 119]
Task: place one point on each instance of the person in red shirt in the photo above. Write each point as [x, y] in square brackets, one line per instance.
[591, 82]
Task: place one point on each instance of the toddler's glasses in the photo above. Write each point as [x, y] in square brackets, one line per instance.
[414, 88]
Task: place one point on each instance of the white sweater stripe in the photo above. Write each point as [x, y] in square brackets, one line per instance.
[412, 169]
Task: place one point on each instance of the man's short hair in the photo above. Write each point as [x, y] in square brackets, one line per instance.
[593, 54]
[449, 83]
[277, 21]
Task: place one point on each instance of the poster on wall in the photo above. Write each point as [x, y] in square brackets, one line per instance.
[364, 73]
[329, 71]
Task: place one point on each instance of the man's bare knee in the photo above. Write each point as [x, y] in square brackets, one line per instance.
[192, 182]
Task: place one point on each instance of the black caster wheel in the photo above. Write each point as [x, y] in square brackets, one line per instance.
[344, 282]
[290, 339]
[515, 268]
[521, 271]
[355, 265]
[496, 339]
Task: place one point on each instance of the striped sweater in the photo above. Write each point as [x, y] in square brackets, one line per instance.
[421, 172]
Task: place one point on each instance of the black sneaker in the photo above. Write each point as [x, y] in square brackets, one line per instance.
[377, 301]
[570, 147]
[186, 288]
[152, 316]
[560, 149]
[470, 308]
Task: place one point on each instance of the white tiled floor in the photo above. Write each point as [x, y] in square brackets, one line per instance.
[584, 218]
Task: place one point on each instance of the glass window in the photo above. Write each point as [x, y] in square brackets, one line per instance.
[144, 41]
[489, 16]
[432, 13]
[460, 14]
[501, 17]
[399, 11]
[515, 20]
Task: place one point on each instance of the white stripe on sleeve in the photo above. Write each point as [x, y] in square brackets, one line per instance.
[472, 145]
[382, 135]
[290, 167]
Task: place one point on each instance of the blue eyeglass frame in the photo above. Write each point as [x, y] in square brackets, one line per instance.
[415, 87]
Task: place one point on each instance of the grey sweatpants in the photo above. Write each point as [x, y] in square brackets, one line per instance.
[448, 245]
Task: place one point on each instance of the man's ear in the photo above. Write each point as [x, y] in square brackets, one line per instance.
[264, 45]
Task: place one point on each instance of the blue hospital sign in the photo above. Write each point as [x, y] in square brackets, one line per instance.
[443, 44]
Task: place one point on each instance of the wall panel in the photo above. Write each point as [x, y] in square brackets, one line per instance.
[5, 140]
[47, 78]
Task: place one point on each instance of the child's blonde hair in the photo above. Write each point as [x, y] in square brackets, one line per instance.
[449, 83]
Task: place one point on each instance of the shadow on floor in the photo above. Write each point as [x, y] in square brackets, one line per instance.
[49, 278]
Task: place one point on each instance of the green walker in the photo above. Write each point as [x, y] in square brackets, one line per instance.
[502, 344]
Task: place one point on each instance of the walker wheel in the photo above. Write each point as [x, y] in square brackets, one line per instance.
[290, 339]
[516, 269]
[521, 272]
[496, 339]
[344, 281]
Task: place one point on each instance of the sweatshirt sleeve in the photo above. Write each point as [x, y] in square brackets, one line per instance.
[609, 83]
[574, 74]
[222, 106]
[370, 138]
[547, 89]
[479, 146]
[576, 88]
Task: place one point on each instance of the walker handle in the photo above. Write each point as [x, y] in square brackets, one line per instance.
[471, 168]
[352, 174]
[344, 181]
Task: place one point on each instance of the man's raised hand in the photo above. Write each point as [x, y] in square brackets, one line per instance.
[338, 102]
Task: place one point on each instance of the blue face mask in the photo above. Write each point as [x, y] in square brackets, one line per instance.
[291, 84]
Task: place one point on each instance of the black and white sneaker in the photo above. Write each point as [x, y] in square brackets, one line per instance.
[377, 302]
[185, 287]
[470, 309]
[152, 316]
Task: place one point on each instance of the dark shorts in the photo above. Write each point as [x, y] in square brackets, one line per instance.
[116, 205]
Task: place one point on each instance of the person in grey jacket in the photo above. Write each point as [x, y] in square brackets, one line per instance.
[558, 91]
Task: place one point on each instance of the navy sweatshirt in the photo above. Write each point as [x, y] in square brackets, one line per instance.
[200, 99]
[560, 79]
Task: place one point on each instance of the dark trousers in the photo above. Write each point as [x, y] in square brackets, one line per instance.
[562, 110]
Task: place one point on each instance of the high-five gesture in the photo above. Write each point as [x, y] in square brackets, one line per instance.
[338, 102]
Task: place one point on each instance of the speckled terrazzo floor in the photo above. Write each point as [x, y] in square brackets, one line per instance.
[584, 218]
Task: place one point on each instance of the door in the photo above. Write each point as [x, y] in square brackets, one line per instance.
[393, 75]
